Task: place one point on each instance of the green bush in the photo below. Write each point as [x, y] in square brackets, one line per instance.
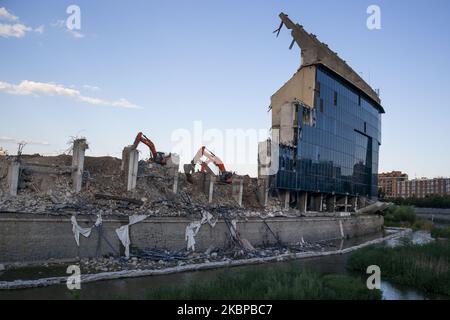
[430, 201]
[400, 216]
[425, 267]
[271, 284]
[441, 232]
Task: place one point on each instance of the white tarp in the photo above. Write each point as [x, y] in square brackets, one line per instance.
[124, 231]
[194, 227]
[86, 232]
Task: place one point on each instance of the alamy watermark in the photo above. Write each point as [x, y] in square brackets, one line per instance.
[73, 21]
[74, 280]
[374, 20]
[236, 147]
[374, 280]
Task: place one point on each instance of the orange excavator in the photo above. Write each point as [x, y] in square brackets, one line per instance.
[189, 169]
[157, 157]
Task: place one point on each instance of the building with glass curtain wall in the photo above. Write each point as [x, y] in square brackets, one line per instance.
[328, 122]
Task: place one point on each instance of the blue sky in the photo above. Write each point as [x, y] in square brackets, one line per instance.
[158, 66]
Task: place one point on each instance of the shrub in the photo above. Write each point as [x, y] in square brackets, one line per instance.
[271, 284]
[441, 232]
[426, 267]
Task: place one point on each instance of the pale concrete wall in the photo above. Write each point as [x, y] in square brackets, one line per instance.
[299, 88]
[28, 238]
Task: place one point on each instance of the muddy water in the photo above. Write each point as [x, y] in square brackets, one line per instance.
[136, 288]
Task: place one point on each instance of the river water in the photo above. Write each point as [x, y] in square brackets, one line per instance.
[136, 288]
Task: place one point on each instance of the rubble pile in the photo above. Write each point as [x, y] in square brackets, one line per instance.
[45, 187]
[161, 259]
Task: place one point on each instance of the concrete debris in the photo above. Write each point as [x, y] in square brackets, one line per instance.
[46, 187]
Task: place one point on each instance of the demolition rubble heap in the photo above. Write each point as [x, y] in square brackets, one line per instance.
[55, 185]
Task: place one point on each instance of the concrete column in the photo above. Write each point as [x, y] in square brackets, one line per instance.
[331, 203]
[208, 186]
[237, 190]
[346, 203]
[302, 201]
[263, 191]
[354, 202]
[133, 164]
[79, 148]
[287, 198]
[175, 182]
[13, 176]
[316, 202]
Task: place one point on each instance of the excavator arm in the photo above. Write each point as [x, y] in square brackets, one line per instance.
[157, 157]
[225, 176]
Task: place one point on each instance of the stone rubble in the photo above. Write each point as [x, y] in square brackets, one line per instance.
[45, 187]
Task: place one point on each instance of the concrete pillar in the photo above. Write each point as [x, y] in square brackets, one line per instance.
[208, 186]
[13, 176]
[346, 203]
[79, 149]
[331, 203]
[237, 190]
[316, 202]
[133, 164]
[263, 191]
[287, 198]
[175, 182]
[354, 203]
[302, 201]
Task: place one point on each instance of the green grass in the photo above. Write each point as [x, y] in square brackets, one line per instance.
[441, 232]
[271, 284]
[400, 216]
[424, 267]
[405, 217]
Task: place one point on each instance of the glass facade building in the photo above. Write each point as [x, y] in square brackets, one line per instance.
[337, 141]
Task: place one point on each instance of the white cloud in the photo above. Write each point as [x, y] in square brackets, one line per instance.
[75, 34]
[17, 30]
[16, 140]
[39, 29]
[92, 88]
[27, 87]
[5, 15]
[62, 24]
[58, 23]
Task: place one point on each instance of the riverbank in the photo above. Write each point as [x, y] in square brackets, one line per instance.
[86, 278]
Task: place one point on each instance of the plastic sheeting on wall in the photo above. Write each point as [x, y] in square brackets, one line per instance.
[124, 231]
[194, 227]
[85, 232]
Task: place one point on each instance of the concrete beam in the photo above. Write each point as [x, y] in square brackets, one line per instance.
[13, 176]
[237, 190]
[79, 149]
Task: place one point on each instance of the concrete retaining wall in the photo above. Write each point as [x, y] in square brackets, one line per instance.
[31, 238]
[436, 214]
